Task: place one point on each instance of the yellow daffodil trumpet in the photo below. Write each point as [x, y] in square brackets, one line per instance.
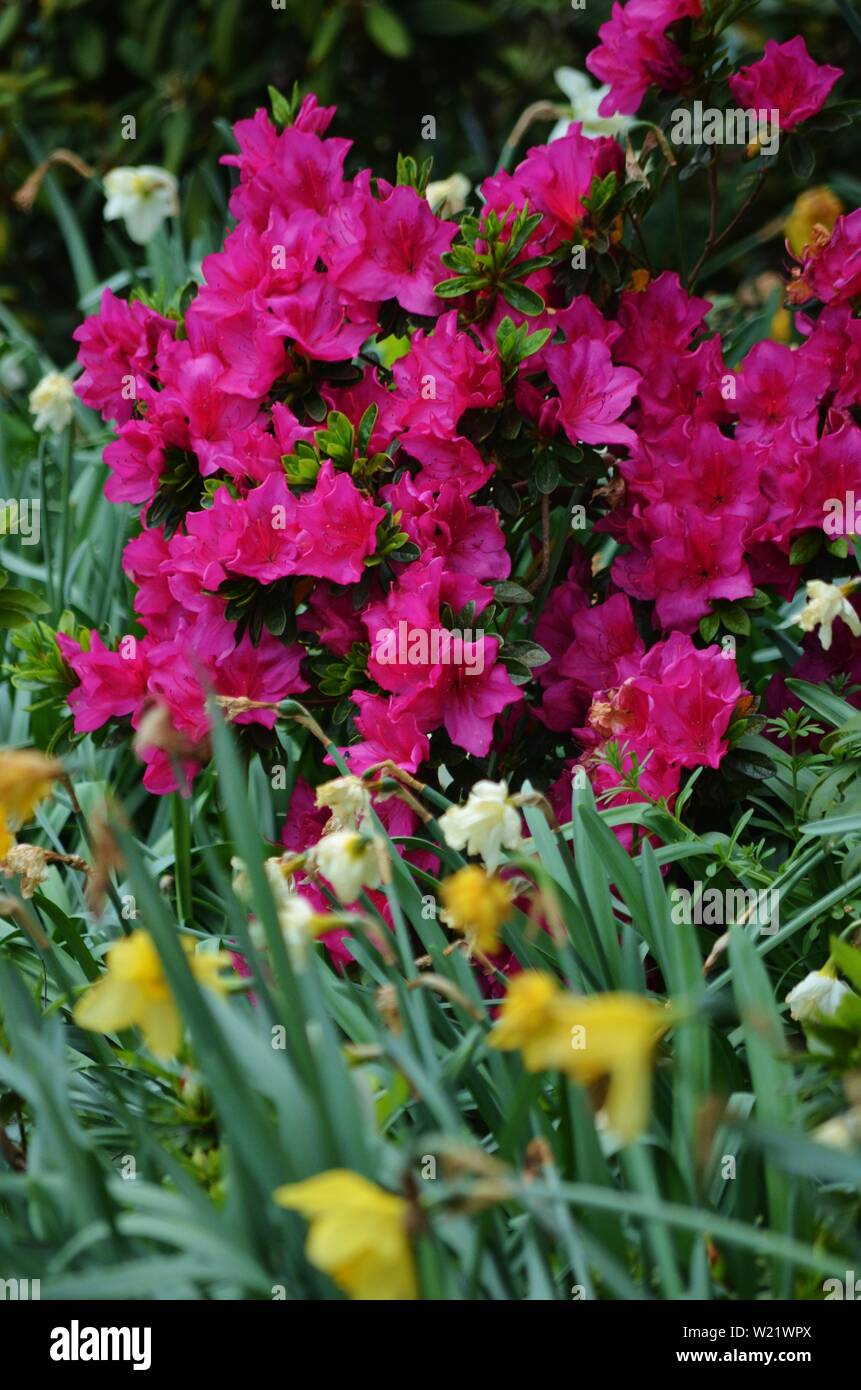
[477, 904]
[359, 1234]
[134, 992]
[26, 778]
[612, 1036]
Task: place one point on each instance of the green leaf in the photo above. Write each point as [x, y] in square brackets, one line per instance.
[709, 626]
[530, 653]
[509, 592]
[451, 17]
[767, 1056]
[547, 474]
[823, 702]
[805, 547]
[848, 960]
[388, 32]
[523, 299]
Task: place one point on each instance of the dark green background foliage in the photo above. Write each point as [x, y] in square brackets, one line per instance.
[186, 68]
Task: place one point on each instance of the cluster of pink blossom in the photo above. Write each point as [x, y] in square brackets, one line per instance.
[219, 414]
[636, 52]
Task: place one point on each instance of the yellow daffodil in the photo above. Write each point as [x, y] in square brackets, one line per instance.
[26, 778]
[532, 1021]
[477, 904]
[615, 1035]
[590, 1038]
[135, 993]
[815, 206]
[359, 1234]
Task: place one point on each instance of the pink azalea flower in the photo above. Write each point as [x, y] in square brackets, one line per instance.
[389, 732]
[261, 537]
[444, 460]
[332, 619]
[684, 559]
[657, 324]
[592, 392]
[322, 321]
[466, 698]
[414, 600]
[468, 538]
[304, 172]
[242, 341]
[444, 374]
[304, 819]
[136, 459]
[633, 56]
[118, 349]
[556, 177]
[267, 671]
[831, 271]
[691, 696]
[143, 561]
[659, 780]
[336, 528]
[192, 387]
[785, 79]
[390, 248]
[606, 647]
[681, 385]
[112, 684]
[777, 385]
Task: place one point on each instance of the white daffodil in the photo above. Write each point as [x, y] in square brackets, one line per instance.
[349, 861]
[12, 374]
[825, 604]
[817, 997]
[300, 923]
[488, 823]
[280, 879]
[142, 197]
[585, 100]
[348, 800]
[842, 1132]
[52, 401]
[448, 196]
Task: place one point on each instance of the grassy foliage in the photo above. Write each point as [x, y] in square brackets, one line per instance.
[128, 1176]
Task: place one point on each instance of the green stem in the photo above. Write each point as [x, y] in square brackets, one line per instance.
[181, 858]
[65, 518]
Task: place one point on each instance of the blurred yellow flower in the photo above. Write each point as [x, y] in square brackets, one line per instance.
[26, 778]
[532, 1021]
[135, 993]
[611, 1036]
[815, 206]
[359, 1233]
[615, 1035]
[780, 328]
[477, 904]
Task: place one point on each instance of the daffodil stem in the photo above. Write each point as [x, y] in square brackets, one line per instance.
[65, 519]
[181, 858]
[640, 1172]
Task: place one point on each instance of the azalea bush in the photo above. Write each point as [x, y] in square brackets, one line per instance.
[447, 776]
